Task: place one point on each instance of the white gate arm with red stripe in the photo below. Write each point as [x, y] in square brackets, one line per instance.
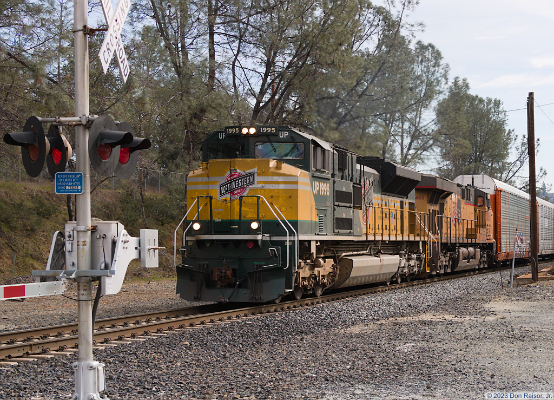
[27, 290]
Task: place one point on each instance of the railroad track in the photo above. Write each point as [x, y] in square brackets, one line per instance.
[63, 339]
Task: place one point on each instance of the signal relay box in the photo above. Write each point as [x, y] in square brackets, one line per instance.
[111, 250]
[103, 243]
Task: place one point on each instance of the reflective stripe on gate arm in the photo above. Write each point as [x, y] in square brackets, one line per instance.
[32, 290]
[13, 291]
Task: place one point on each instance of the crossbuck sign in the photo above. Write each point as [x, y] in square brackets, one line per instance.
[112, 42]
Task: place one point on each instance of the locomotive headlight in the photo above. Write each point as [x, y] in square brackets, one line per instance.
[252, 130]
[196, 226]
[244, 131]
[254, 225]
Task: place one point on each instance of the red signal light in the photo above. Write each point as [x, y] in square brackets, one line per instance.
[56, 156]
[36, 148]
[124, 155]
[33, 151]
[250, 244]
[104, 151]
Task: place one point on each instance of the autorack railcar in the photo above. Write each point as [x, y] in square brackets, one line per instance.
[511, 208]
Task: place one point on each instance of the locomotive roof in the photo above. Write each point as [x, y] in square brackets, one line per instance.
[395, 179]
[320, 142]
[489, 185]
[435, 182]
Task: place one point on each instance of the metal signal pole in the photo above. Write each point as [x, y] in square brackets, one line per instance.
[89, 375]
[533, 187]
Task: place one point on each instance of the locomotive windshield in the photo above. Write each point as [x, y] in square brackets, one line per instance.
[229, 150]
[279, 150]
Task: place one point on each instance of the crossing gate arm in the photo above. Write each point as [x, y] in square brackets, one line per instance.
[27, 290]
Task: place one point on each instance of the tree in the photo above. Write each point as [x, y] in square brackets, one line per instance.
[281, 53]
[544, 192]
[403, 128]
[379, 98]
[194, 99]
[474, 138]
[26, 84]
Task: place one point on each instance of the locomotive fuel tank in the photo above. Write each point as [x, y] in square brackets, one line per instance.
[364, 269]
[467, 258]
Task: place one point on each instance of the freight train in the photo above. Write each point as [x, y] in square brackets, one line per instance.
[274, 211]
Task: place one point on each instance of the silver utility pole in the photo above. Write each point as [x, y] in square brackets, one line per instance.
[89, 375]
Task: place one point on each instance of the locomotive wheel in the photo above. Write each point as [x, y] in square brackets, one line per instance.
[278, 299]
[409, 277]
[398, 279]
[297, 292]
[318, 290]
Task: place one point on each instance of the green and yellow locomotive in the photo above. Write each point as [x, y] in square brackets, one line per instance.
[276, 211]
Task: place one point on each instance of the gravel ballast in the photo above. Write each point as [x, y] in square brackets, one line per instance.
[454, 339]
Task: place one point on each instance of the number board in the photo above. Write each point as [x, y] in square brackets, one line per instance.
[233, 130]
[268, 130]
[260, 130]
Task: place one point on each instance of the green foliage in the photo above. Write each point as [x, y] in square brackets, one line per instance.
[474, 137]
[349, 71]
[27, 212]
[169, 207]
[42, 208]
[126, 206]
[30, 214]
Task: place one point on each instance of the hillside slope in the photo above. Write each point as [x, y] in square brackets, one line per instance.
[31, 213]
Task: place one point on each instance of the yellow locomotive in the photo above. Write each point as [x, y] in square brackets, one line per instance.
[276, 211]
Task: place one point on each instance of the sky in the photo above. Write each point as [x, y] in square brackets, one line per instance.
[505, 49]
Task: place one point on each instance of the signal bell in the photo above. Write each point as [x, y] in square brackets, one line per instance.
[37, 148]
[112, 147]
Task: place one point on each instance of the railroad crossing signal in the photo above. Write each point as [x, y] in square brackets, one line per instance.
[112, 42]
[113, 148]
[37, 148]
[128, 155]
[60, 151]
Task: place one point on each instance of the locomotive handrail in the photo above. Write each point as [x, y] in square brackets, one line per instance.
[210, 198]
[446, 216]
[175, 234]
[425, 228]
[185, 231]
[240, 209]
[295, 234]
[456, 233]
[276, 217]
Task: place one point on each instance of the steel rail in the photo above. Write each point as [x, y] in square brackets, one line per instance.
[121, 329]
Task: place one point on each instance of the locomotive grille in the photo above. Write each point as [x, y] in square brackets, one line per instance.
[343, 224]
[321, 222]
[343, 197]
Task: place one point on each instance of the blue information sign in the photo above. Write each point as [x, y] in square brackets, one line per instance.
[69, 182]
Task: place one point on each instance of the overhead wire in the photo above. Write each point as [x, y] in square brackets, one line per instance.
[538, 105]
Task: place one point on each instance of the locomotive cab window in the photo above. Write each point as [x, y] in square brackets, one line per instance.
[228, 150]
[279, 150]
[321, 159]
